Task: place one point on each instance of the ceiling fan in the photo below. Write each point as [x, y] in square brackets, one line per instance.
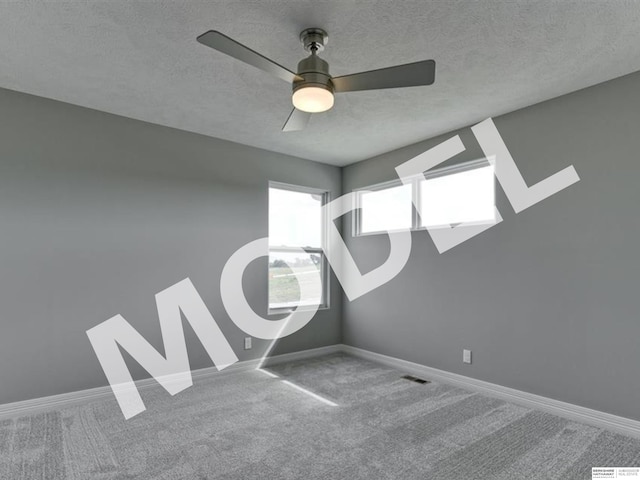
[313, 86]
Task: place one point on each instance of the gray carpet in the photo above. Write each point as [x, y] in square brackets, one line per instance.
[251, 426]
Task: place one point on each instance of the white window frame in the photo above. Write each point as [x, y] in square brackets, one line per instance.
[415, 195]
[324, 265]
[357, 211]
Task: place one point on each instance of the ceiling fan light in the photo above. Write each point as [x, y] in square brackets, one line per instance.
[312, 99]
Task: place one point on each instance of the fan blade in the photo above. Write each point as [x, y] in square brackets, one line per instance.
[297, 120]
[408, 75]
[224, 44]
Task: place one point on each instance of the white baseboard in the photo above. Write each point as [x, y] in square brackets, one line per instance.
[38, 405]
[625, 426]
[302, 354]
[596, 418]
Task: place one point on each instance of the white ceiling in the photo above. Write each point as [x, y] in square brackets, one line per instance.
[140, 59]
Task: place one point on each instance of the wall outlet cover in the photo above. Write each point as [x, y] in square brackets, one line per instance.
[466, 356]
[247, 343]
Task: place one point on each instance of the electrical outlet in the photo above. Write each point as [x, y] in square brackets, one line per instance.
[247, 343]
[466, 356]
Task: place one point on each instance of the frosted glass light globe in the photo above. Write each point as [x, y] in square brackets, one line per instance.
[312, 99]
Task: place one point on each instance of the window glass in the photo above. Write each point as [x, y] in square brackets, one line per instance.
[295, 218]
[467, 196]
[385, 209]
[284, 290]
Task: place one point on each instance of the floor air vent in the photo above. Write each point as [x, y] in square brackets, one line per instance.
[415, 379]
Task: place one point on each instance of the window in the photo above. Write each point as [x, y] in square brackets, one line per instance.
[463, 193]
[296, 221]
[387, 208]
[458, 195]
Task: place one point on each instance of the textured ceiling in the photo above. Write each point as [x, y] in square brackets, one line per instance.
[140, 59]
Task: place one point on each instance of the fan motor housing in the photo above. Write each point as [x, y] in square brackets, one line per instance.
[314, 71]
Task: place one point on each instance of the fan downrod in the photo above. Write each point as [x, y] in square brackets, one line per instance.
[314, 39]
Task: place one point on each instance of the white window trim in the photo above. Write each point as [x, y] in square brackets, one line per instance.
[356, 218]
[325, 272]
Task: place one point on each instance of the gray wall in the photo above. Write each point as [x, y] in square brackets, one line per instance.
[548, 300]
[99, 213]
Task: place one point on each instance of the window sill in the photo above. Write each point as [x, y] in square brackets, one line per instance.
[286, 310]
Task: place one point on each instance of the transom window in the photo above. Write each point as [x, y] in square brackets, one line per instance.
[386, 208]
[464, 193]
